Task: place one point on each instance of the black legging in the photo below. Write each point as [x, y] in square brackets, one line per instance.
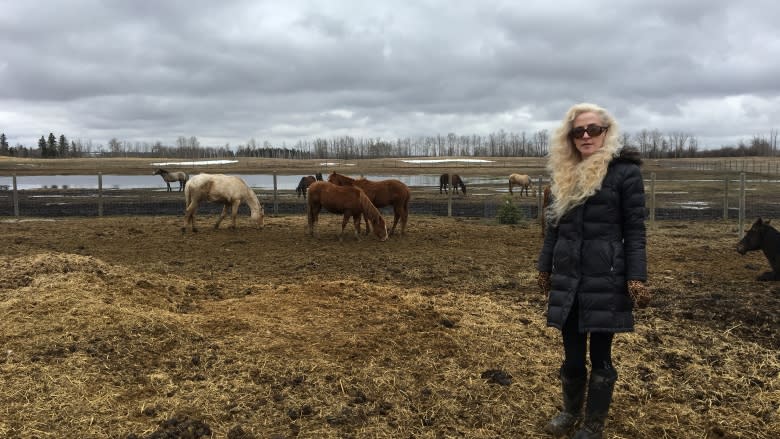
[575, 345]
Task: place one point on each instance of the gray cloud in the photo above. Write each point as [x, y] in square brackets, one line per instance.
[230, 71]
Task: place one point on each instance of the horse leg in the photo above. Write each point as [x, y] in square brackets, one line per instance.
[396, 216]
[344, 222]
[356, 224]
[234, 214]
[169, 186]
[404, 215]
[369, 226]
[313, 216]
[189, 217]
[510, 188]
[221, 216]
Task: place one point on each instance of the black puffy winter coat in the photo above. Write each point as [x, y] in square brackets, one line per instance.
[595, 248]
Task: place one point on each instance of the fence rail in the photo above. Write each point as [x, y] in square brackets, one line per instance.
[733, 197]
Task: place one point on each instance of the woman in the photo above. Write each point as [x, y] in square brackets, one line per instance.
[593, 263]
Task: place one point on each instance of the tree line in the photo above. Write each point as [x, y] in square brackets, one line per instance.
[651, 143]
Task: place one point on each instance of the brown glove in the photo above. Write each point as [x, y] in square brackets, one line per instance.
[639, 293]
[543, 280]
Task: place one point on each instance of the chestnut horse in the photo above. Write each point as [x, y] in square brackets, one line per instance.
[304, 184]
[522, 180]
[169, 177]
[227, 190]
[349, 200]
[444, 183]
[382, 193]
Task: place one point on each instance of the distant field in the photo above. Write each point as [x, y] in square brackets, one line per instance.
[535, 166]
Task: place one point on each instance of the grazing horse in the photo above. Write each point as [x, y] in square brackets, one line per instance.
[304, 184]
[444, 183]
[228, 190]
[766, 238]
[522, 180]
[382, 193]
[546, 200]
[349, 200]
[168, 177]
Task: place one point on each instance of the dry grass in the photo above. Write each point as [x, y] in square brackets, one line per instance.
[123, 327]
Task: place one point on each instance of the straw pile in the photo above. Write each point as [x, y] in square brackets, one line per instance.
[125, 328]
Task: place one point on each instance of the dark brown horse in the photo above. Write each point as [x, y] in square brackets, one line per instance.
[444, 183]
[382, 193]
[169, 177]
[349, 200]
[766, 238]
[304, 184]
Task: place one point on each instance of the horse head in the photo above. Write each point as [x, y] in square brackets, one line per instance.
[459, 181]
[259, 216]
[754, 237]
[380, 228]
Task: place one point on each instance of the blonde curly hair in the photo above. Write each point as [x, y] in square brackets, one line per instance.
[574, 179]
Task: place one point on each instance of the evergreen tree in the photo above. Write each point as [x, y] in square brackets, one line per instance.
[62, 146]
[51, 146]
[4, 150]
[42, 146]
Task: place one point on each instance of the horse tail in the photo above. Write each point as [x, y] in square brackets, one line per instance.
[187, 196]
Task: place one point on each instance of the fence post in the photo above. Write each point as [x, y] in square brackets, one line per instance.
[16, 198]
[100, 194]
[449, 196]
[540, 201]
[276, 201]
[652, 199]
[741, 203]
[726, 198]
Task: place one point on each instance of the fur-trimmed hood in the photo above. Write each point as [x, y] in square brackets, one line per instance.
[629, 154]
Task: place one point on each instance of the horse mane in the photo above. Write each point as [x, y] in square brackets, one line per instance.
[369, 210]
[343, 177]
[250, 197]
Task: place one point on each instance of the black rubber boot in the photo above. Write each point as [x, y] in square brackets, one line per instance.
[600, 387]
[573, 384]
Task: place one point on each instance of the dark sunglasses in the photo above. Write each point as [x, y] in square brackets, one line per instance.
[593, 130]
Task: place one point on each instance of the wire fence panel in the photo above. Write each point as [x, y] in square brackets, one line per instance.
[690, 199]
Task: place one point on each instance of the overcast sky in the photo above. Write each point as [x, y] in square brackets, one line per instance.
[289, 70]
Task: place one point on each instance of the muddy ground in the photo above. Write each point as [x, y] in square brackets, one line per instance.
[122, 327]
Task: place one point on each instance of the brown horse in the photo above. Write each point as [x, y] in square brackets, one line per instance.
[522, 180]
[444, 183]
[382, 193]
[304, 184]
[228, 190]
[349, 200]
